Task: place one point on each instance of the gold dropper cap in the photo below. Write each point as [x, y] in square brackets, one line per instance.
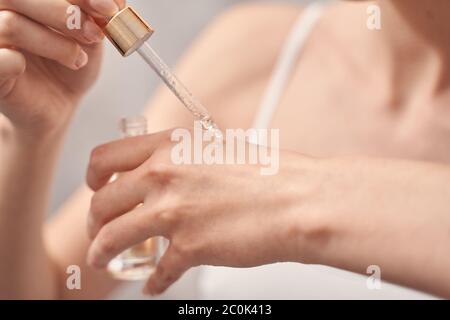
[127, 31]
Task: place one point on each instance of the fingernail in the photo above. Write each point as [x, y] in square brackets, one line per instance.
[82, 60]
[105, 7]
[92, 32]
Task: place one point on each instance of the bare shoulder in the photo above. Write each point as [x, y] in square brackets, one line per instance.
[247, 35]
[251, 23]
[229, 61]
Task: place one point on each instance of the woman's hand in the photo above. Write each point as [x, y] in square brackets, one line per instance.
[224, 215]
[45, 68]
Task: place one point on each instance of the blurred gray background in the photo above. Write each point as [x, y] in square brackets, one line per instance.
[124, 87]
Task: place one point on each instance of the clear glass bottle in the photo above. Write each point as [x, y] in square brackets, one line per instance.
[138, 262]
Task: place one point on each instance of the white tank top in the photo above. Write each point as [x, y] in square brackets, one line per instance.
[282, 280]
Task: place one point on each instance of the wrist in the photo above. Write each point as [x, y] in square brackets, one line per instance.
[15, 139]
[333, 213]
[314, 220]
[35, 131]
[43, 123]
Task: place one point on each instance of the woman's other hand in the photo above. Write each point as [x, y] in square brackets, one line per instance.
[45, 68]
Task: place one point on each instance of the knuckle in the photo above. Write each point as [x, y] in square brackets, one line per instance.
[70, 52]
[96, 209]
[162, 268]
[105, 241]
[97, 161]
[182, 251]
[160, 169]
[161, 172]
[169, 277]
[97, 156]
[17, 64]
[166, 276]
[166, 217]
[168, 213]
[8, 22]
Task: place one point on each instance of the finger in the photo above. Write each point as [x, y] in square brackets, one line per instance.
[100, 10]
[18, 31]
[123, 233]
[170, 268]
[59, 15]
[12, 65]
[114, 200]
[105, 8]
[120, 156]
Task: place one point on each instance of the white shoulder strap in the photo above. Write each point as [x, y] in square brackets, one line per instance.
[286, 63]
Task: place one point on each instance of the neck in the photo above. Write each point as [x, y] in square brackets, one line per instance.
[413, 45]
[416, 32]
[424, 22]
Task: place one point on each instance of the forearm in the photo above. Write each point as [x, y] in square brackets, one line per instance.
[26, 172]
[392, 214]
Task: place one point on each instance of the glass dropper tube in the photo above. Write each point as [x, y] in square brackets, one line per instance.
[177, 87]
[129, 33]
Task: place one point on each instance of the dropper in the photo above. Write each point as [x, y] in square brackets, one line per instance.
[129, 33]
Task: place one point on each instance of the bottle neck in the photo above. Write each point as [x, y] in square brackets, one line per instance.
[133, 126]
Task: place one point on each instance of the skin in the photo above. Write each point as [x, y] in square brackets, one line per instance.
[345, 207]
[40, 87]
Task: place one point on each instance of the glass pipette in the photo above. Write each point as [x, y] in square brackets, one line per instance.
[129, 33]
